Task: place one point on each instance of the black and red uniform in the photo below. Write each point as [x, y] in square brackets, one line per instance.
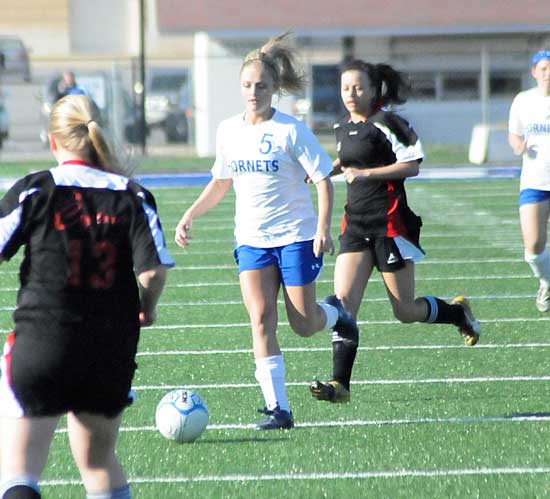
[86, 233]
[377, 211]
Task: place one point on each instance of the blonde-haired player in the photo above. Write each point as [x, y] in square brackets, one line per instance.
[265, 155]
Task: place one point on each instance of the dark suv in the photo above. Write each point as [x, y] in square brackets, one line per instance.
[14, 59]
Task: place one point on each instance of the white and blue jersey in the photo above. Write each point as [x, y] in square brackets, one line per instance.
[530, 118]
[268, 163]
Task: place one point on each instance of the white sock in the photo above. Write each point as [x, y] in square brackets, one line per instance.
[331, 313]
[540, 265]
[270, 374]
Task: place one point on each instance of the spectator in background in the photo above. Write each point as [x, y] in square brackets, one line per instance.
[529, 137]
[68, 86]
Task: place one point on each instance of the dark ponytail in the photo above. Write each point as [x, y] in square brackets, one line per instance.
[388, 85]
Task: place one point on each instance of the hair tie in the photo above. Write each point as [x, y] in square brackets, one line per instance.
[88, 124]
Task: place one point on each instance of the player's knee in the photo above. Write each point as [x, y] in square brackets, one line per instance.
[405, 314]
[301, 326]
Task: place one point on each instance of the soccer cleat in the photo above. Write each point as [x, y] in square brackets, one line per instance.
[331, 391]
[471, 329]
[345, 326]
[277, 419]
[543, 299]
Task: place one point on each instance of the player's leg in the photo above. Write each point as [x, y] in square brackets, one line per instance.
[534, 226]
[93, 440]
[24, 446]
[351, 274]
[260, 288]
[400, 286]
[299, 269]
[305, 315]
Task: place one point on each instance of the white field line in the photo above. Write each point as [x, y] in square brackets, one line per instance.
[367, 300]
[329, 281]
[356, 475]
[281, 302]
[365, 422]
[221, 327]
[247, 351]
[330, 264]
[383, 382]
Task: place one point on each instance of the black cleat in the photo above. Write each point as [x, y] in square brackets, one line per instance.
[345, 326]
[331, 391]
[276, 419]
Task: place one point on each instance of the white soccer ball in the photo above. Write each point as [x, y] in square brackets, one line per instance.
[181, 415]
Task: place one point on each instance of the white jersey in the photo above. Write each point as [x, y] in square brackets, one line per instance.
[530, 118]
[268, 163]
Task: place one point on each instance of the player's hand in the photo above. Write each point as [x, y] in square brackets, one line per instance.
[520, 148]
[147, 318]
[182, 236]
[351, 173]
[323, 244]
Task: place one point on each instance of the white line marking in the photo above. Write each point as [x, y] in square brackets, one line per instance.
[321, 476]
[221, 327]
[520, 418]
[487, 379]
[329, 349]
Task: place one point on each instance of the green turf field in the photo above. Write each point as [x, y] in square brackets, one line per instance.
[428, 418]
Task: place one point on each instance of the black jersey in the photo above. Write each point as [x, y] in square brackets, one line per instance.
[85, 231]
[378, 208]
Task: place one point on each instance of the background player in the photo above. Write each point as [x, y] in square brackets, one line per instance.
[529, 136]
[85, 228]
[377, 151]
[264, 154]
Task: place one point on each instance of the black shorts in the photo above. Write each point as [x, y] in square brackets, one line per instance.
[385, 252]
[58, 369]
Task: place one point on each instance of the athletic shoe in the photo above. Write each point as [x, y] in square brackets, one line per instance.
[543, 299]
[331, 391]
[345, 326]
[277, 419]
[471, 330]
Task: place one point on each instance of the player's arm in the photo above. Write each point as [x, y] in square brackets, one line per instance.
[517, 142]
[395, 171]
[151, 284]
[325, 200]
[336, 170]
[212, 194]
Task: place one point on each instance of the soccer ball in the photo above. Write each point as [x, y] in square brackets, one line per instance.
[181, 415]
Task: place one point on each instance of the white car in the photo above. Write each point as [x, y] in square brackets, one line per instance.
[4, 122]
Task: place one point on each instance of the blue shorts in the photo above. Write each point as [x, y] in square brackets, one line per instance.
[530, 196]
[296, 262]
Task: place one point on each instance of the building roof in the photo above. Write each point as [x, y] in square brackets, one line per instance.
[353, 17]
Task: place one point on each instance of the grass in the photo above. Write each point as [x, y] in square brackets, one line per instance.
[428, 418]
[435, 155]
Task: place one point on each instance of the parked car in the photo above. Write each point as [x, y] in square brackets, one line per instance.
[100, 88]
[14, 59]
[4, 122]
[167, 102]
